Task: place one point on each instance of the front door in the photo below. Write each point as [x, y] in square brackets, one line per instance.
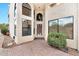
[39, 30]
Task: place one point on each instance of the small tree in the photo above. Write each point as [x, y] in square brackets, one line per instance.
[4, 28]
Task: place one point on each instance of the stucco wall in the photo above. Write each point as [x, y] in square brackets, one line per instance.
[78, 23]
[11, 19]
[59, 11]
[20, 18]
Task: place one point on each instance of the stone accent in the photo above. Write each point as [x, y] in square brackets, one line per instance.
[8, 42]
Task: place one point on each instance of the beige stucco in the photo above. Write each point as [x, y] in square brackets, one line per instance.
[63, 10]
[19, 38]
[49, 13]
[11, 19]
[19, 18]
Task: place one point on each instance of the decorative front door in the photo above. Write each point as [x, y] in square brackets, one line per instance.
[39, 30]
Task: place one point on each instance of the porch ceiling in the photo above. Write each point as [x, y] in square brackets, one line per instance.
[39, 6]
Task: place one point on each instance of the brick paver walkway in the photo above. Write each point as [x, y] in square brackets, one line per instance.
[34, 48]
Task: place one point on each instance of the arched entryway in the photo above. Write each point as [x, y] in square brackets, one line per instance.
[39, 25]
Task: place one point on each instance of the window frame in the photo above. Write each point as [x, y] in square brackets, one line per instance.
[27, 9]
[58, 25]
[31, 28]
[50, 21]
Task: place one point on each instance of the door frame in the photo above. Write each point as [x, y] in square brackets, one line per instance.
[36, 30]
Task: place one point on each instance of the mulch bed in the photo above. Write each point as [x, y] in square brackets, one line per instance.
[68, 50]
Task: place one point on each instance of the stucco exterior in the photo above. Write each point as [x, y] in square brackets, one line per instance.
[19, 18]
[49, 13]
[62, 10]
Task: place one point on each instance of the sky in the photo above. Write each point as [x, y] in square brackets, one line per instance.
[4, 12]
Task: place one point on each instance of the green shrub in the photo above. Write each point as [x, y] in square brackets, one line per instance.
[57, 39]
[4, 30]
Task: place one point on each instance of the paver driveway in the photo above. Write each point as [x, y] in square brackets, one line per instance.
[34, 48]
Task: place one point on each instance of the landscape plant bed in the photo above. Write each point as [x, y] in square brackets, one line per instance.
[62, 49]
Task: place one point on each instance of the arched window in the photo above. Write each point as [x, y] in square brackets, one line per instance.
[39, 17]
[26, 9]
